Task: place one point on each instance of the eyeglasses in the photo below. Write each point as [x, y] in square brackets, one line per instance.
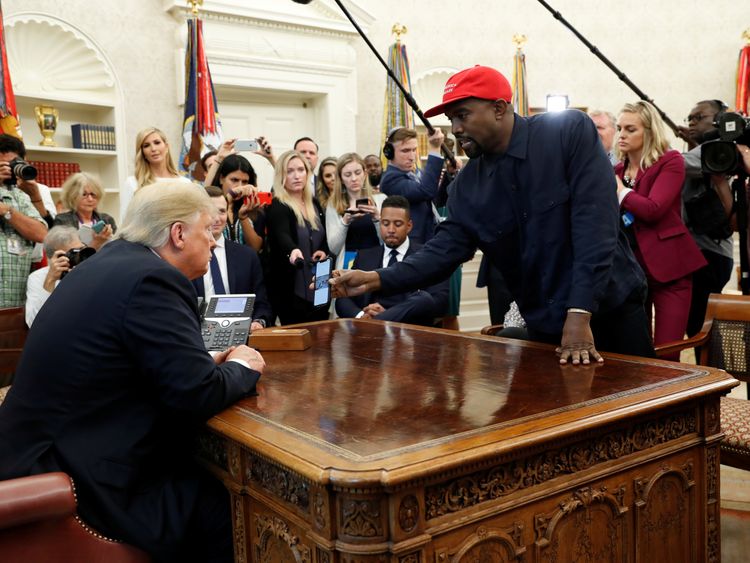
[89, 194]
[697, 117]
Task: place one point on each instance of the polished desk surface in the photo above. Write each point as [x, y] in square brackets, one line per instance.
[378, 403]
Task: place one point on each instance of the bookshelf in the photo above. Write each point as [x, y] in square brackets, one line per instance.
[80, 83]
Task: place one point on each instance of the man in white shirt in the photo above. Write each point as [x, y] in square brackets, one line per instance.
[42, 282]
[234, 268]
[415, 307]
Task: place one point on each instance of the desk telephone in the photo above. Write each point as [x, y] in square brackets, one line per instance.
[225, 320]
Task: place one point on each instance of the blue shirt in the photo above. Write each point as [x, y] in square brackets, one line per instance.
[545, 214]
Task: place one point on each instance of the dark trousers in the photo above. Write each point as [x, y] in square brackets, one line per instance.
[622, 330]
[711, 278]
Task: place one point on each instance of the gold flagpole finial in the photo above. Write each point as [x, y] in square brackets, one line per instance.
[398, 30]
[746, 35]
[519, 40]
[194, 6]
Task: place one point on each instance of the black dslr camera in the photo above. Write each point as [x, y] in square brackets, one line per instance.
[77, 255]
[19, 168]
[720, 156]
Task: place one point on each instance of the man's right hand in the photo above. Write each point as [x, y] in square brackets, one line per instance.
[349, 283]
[5, 172]
[249, 355]
[436, 140]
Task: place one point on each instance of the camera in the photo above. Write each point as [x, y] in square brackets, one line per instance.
[77, 255]
[720, 156]
[19, 168]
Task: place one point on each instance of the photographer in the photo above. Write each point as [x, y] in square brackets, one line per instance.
[711, 231]
[61, 244]
[21, 224]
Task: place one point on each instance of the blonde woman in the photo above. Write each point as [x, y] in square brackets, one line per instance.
[649, 182]
[153, 163]
[296, 238]
[352, 226]
[82, 193]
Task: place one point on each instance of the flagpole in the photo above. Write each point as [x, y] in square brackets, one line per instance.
[621, 75]
[407, 96]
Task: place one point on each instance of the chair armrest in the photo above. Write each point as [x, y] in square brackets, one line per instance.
[491, 330]
[669, 348]
[39, 497]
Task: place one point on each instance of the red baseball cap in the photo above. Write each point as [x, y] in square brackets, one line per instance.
[475, 82]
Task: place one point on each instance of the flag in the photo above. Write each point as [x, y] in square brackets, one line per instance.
[201, 130]
[743, 76]
[9, 123]
[520, 95]
[397, 112]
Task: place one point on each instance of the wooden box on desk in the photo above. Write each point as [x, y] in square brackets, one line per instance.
[273, 338]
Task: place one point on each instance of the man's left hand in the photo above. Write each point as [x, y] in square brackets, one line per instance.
[373, 309]
[577, 345]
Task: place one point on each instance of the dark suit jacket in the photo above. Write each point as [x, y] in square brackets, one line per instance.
[666, 250]
[245, 276]
[414, 307]
[113, 383]
[420, 194]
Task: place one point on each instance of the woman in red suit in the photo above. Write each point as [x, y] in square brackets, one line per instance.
[649, 181]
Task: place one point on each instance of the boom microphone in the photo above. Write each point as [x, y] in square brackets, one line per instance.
[302, 1]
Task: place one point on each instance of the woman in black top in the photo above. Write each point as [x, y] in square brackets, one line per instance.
[296, 238]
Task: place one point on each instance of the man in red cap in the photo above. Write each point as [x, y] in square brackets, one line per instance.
[538, 197]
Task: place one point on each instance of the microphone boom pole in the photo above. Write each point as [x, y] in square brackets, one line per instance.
[621, 75]
[407, 96]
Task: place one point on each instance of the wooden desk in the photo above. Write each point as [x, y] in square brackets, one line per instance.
[390, 443]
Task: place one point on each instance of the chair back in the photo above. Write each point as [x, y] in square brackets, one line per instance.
[728, 345]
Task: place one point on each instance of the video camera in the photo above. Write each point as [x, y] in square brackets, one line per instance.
[720, 156]
[19, 168]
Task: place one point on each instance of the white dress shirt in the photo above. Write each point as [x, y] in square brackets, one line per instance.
[221, 257]
[401, 252]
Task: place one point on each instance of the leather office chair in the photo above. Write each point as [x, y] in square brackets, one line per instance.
[724, 342]
[38, 522]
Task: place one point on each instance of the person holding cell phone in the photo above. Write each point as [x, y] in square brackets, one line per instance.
[353, 211]
[236, 178]
[82, 193]
[296, 240]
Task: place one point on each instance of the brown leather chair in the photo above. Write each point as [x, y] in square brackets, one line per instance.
[38, 522]
[724, 342]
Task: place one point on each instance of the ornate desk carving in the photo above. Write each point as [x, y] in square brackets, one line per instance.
[407, 445]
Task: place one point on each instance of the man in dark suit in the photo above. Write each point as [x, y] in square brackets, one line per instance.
[415, 307]
[538, 199]
[115, 381]
[401, 178]
[234, 268]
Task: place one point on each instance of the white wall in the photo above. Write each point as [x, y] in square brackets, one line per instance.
[677, 51]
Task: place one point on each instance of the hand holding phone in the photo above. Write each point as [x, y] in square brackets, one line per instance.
[98, 227]
[265, 198]
[246, 145]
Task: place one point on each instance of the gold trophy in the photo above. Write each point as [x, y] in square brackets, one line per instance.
[46, 118]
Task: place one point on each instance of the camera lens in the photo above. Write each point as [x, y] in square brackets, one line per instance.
[719, 157]
[25, 171]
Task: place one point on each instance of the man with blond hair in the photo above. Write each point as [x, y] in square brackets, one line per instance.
[130, 384]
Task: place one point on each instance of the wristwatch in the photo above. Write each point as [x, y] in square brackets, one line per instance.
[8, 214]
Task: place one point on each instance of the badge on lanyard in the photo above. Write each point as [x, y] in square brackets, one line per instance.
[15, 246]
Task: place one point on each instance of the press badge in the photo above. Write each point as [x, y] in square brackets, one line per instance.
[15, 246]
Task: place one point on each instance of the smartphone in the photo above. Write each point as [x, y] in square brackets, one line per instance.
[98, 227]
[362, 201]
[265, 198]
[246, 145]
[322, 273]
